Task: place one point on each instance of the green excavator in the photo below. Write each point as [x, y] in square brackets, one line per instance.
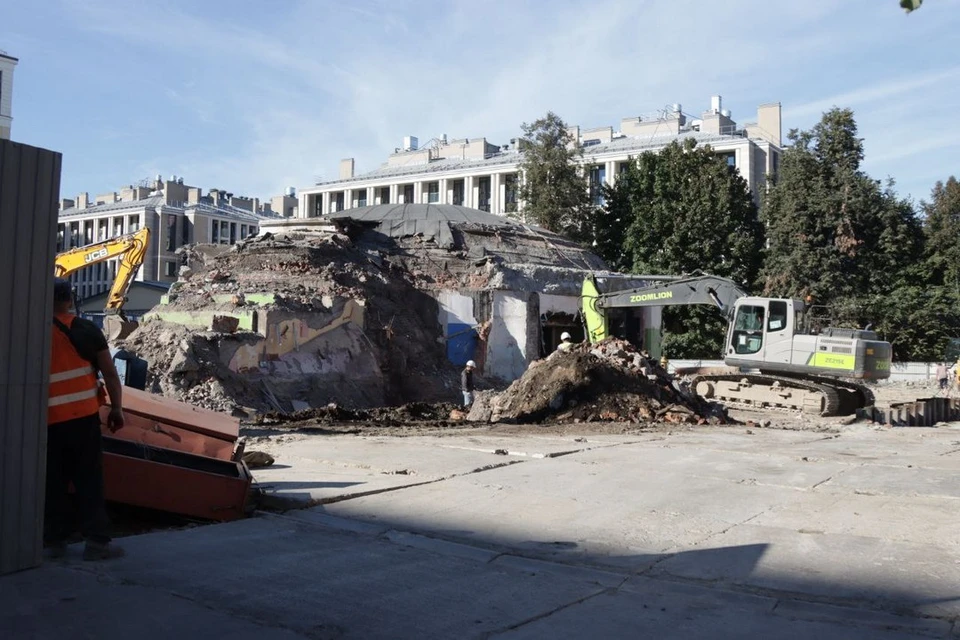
[777, 355]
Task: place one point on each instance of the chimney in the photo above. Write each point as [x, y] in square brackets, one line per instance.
[346, 168]
[83, 200]
[193, 195]
[716, 104]
[410, 143]
[66, 203]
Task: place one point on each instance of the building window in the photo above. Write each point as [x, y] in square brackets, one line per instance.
[362, 198]
[318, 206]
[185, 230]
[598, 173]
[171, 232]
[338, 201]
[117, 227]
[60, 237]
[433, 192]
[224, 232]
[215, 231]
[730, 157]
[407, 193]
[243, 232]
[623, 166]
[133, 224]
[483, 198]
[170, 268]
[510, 192]
[233, 233]
[458, 192]
[775, 166]
[384, 195]
[253, 231]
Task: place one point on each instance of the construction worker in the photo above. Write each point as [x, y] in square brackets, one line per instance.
[74, 453]
[943, 376]
[565, 342]
[466, 382]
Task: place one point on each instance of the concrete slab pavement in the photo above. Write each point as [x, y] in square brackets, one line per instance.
[277, 577]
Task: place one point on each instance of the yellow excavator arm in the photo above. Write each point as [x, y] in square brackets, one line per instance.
[131, 249]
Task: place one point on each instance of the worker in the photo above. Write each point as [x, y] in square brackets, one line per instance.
[74, 452]
[565, 342]
[943, 375]
[466, 382]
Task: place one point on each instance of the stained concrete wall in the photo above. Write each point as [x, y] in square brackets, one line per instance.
[29, 188]
[508, 349]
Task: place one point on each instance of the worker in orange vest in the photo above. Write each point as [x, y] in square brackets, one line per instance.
[74, 452]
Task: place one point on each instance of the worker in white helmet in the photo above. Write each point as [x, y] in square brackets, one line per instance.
[466, 382]
[565, 342]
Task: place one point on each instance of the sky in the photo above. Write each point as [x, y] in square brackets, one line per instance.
[254, 96]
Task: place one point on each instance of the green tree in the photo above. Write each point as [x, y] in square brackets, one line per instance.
[942, 231]
[553, 189]
[811, 212]
[678, 211]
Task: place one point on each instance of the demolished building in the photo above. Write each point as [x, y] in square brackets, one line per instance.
[368, 307]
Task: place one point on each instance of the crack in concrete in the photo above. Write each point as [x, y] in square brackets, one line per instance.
[362, 494]
[547, 614]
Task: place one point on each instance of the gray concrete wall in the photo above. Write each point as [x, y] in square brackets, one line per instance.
[29, 188]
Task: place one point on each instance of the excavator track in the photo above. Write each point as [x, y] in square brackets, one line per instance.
[813, 395]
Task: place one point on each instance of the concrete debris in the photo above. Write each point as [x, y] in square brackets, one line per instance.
[414, 412]
[277, 323]
[610, 381]
[258, 459]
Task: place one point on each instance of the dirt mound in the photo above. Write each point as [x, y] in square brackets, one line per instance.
[610, 381]
[409, 413]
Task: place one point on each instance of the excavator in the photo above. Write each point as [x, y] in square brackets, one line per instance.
[131, 249]
[779, 357]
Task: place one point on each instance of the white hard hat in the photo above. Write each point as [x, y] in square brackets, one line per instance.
[564, 336]
[471, 363]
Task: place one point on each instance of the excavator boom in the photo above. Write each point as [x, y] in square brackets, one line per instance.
[131, 250]
[695, 289]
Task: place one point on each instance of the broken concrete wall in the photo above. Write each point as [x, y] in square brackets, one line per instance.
[509, 348]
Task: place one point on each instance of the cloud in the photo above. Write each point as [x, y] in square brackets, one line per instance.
[282, 91]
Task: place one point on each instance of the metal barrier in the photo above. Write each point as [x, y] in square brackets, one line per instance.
[923, 412]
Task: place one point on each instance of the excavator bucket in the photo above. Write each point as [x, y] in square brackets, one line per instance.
[594, 319]
[116, 328]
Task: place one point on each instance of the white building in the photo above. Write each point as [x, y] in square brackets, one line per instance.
[480, 175]
[7, 64]
[176, 214]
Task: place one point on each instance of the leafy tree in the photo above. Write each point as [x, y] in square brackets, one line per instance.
[553, 189]
[683, 210]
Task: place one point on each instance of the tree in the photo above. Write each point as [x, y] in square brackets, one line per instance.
[942, 231]
[819, 213]
[553, 189]
[678, 211]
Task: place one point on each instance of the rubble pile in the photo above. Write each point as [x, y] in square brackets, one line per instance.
[288, 322]
[610, 381]
[413, 412]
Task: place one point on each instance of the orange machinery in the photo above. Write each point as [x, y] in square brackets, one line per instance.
[175, 457]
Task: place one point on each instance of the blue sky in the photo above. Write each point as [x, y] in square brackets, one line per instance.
[254, 96]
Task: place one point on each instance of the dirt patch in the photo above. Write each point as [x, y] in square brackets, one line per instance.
[611, 381]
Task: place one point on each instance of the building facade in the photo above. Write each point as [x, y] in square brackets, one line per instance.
[175, 213]
[7, 65]
[474, 173]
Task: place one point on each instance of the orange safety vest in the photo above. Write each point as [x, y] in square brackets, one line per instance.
[73, 382]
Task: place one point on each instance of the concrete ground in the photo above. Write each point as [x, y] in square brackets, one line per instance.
[711, 532]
